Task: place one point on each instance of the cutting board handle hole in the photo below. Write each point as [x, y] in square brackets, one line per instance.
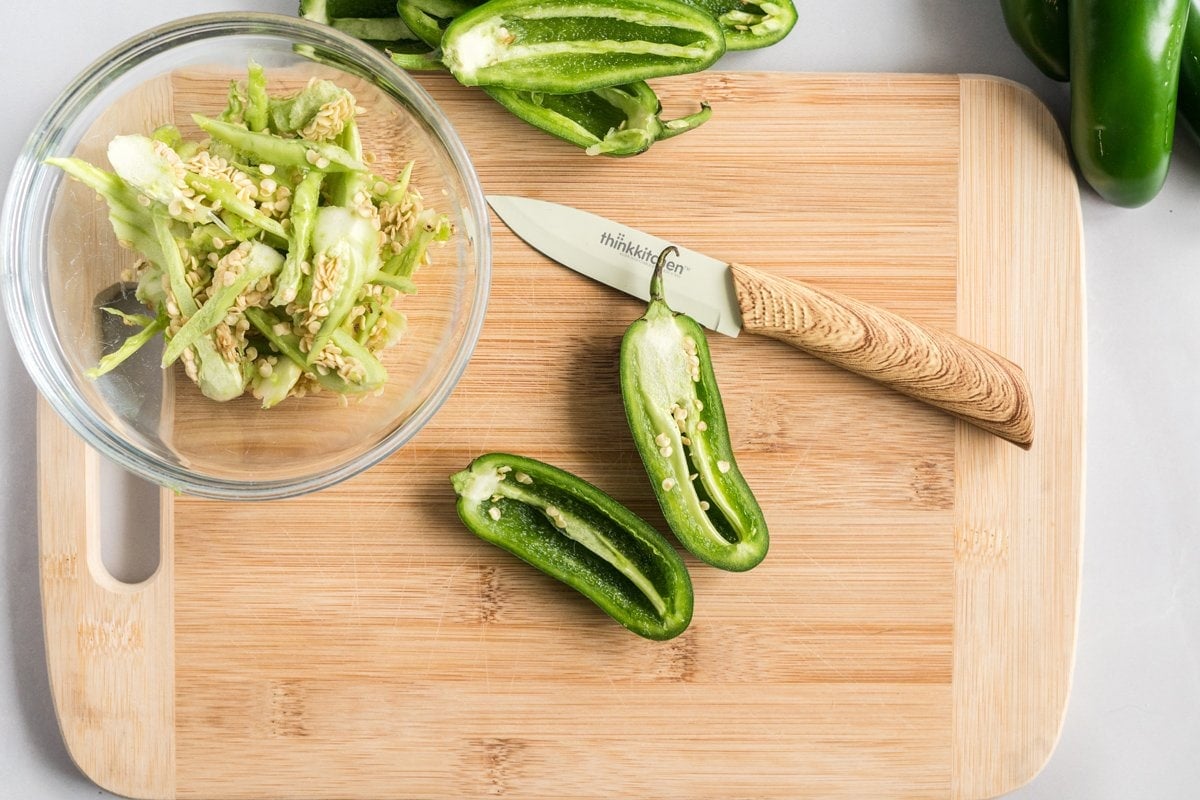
[129, 524]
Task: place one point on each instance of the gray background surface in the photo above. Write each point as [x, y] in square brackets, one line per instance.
[1133, 722]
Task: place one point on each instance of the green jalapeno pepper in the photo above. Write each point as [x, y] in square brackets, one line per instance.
[1189, 72]
[1125, 59]
[576, 533]
[750, 25]
[429, 18]
[620, 120]
[1040, 28]
[678, 423]
[373, 21]
[611, 120]
[567, 46]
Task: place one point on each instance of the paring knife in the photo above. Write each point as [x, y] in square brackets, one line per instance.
[931, 365]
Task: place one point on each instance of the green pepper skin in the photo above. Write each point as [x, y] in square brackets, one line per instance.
[429, 18]
[675, 414]
[1189, 72]
[325, 10]
[1125, 58]
[566, 46]
[1041, 30]
[612, 121]
[577, 534]
[374, 21]
[750, 25]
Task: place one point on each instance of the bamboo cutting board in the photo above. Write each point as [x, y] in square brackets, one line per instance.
[910, 634]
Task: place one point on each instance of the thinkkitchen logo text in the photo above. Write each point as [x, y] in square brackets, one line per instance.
[640, 252]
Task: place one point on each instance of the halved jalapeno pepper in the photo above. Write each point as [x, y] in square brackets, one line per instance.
[566, 46]
[678, 423]
[574, 532]
[750, 24]
[373, 21]
[611, 120]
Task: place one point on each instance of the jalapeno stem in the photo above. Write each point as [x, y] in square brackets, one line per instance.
[677, 420]
[656, 280]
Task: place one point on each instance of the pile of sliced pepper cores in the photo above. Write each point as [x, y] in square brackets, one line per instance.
[575, 69]
[1127, 61]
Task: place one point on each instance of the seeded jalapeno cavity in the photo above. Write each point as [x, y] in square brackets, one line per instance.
[750, 25]
[574, 532]
[678, 423]
[570, 46]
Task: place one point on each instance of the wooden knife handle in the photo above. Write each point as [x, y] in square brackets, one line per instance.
[936, 367]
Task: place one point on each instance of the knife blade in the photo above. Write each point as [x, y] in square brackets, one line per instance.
[931, 365]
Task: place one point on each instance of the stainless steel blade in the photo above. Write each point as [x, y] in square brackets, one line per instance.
[623, 258]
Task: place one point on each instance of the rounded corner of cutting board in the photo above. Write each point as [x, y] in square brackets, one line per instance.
[109, 646]
[1017, 570]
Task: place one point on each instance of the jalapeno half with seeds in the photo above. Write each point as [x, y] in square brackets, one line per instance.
[568, 46]
[574, 532]
[678, 423]
[750, 25]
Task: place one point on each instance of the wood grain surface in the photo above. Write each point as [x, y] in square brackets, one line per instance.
[932, 365]
[910, 633]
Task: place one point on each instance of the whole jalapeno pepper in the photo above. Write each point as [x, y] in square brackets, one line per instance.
[1040, 28]
[1125, 58]
[565, 46]
[1189, 72]
[572, 531]
[611, 120]
[678, 422]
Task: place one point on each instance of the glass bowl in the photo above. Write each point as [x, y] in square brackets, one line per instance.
[61, 262]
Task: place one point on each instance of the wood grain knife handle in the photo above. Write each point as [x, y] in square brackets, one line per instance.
[936, 367]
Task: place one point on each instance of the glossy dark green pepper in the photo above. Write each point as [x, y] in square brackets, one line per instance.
[1041, 30]
[1125, 58]
[1189, 72]
[678, 422]
[572, 531]
[570, 46]
[611, 120]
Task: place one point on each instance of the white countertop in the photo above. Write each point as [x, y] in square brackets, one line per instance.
[1133, 723]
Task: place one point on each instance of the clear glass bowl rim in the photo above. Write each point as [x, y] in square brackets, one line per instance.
[47, 366]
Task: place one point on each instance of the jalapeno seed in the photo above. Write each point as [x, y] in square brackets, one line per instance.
[574, 532]
[675, 414]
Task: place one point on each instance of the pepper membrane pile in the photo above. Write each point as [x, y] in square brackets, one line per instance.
[271, 255]
[577, 70]
[1128, 61]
